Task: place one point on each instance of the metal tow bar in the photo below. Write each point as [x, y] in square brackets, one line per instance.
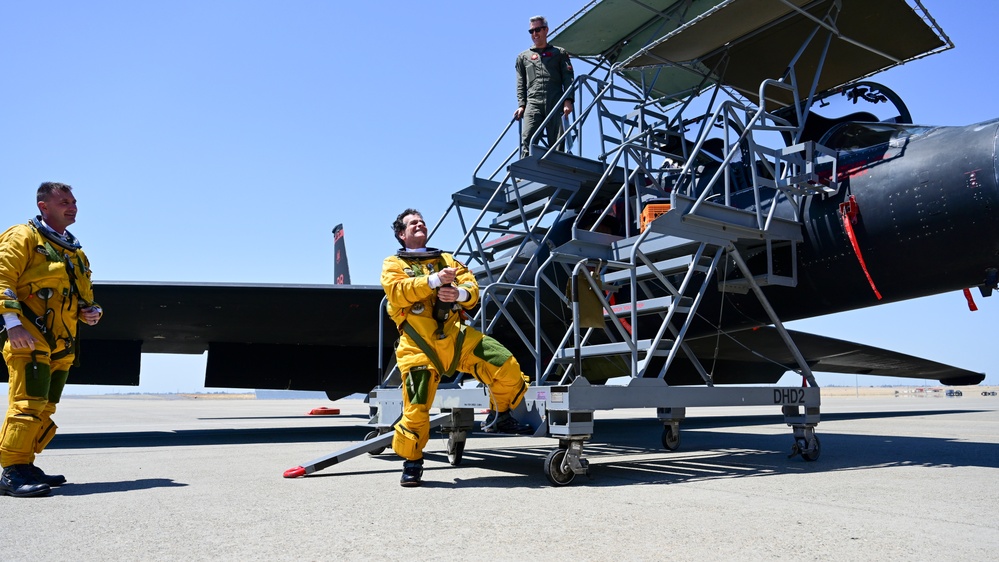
[382, 441]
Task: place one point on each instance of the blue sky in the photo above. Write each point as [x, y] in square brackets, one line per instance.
[221, 141]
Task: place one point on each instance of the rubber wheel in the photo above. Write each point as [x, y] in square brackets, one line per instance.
[553, 468]
[671, 439]
[814, 455]
[371, 435]
[454, 451]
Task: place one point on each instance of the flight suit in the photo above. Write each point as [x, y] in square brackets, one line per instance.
[543, 75]
[430, 348]
[45, 280]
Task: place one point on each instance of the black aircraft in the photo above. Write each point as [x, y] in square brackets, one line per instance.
[850, 211]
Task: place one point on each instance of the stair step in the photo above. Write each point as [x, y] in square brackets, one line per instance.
[741, 286]
[656, 246]
[477, 195]
[576, 166]
[604, 349]
[650, 306]
[566, 171]
[593, 245]
[720, 225]
[492, 265]
[671, 266]
[508, 240]
[518, 215]
[531, 191]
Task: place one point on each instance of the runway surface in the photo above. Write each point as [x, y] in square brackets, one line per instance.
[166, 478]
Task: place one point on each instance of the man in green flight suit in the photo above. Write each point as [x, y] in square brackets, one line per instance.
[544, 73]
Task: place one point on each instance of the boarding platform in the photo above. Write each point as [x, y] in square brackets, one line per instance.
[607, 261]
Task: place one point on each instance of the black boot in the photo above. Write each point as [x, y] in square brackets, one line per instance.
[505, 423]
[412, 474]
[17, 481]
[52, 480]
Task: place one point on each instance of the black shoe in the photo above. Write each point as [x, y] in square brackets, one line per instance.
[17, 481]
[505, 423]
[412, 474]
[52, 480]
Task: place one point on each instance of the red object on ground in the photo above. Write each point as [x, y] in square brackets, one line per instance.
[324, 411]
[294, 472]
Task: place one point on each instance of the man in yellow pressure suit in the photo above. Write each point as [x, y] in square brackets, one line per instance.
[428, 292]
[45, 290]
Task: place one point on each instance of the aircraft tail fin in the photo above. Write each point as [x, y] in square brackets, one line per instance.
[341, 271]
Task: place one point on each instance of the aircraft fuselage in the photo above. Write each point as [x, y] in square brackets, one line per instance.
[927, 222]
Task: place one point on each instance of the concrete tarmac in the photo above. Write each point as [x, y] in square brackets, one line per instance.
[166, 478]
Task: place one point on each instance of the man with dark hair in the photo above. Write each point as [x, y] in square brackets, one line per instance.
[428, 293]
[544, 73]
[46, 290]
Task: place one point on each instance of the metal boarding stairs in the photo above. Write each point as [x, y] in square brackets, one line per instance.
[534, 226]
[515, 241]
[538, 226]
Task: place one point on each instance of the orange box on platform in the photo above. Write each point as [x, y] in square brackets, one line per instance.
[651, 212]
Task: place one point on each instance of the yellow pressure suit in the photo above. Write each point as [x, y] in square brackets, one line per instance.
[45, 281]
[429, 348]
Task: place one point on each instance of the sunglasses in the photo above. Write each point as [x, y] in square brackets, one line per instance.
[534, 30]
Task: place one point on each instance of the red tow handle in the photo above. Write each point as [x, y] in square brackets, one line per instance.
[849, 211]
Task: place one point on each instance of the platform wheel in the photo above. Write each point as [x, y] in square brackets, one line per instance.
[455, 448]
[816, 449]
[554, 471]
[671, 438]
[371, 435]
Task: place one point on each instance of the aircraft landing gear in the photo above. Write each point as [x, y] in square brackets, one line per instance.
[564, 463]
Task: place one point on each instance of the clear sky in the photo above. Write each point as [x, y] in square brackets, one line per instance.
[220, 141]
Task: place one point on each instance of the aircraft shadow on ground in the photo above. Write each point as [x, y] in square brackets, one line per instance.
[190, 437]
[90, 488]
[302, 417]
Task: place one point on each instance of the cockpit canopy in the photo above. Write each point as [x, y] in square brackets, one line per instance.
[858, 135]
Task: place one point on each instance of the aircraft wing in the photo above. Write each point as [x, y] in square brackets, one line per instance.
[325, 337]
[762, 349]
[297, 337]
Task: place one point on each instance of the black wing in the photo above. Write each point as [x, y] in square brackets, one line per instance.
[761, 352]
[298, 337]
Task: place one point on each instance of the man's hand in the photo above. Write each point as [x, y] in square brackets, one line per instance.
[90, 315]
[567, 108]
[447, 275]
[518, 114]
[20, 338]
[448, 293]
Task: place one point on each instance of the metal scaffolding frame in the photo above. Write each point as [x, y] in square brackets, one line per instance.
[735, 173]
